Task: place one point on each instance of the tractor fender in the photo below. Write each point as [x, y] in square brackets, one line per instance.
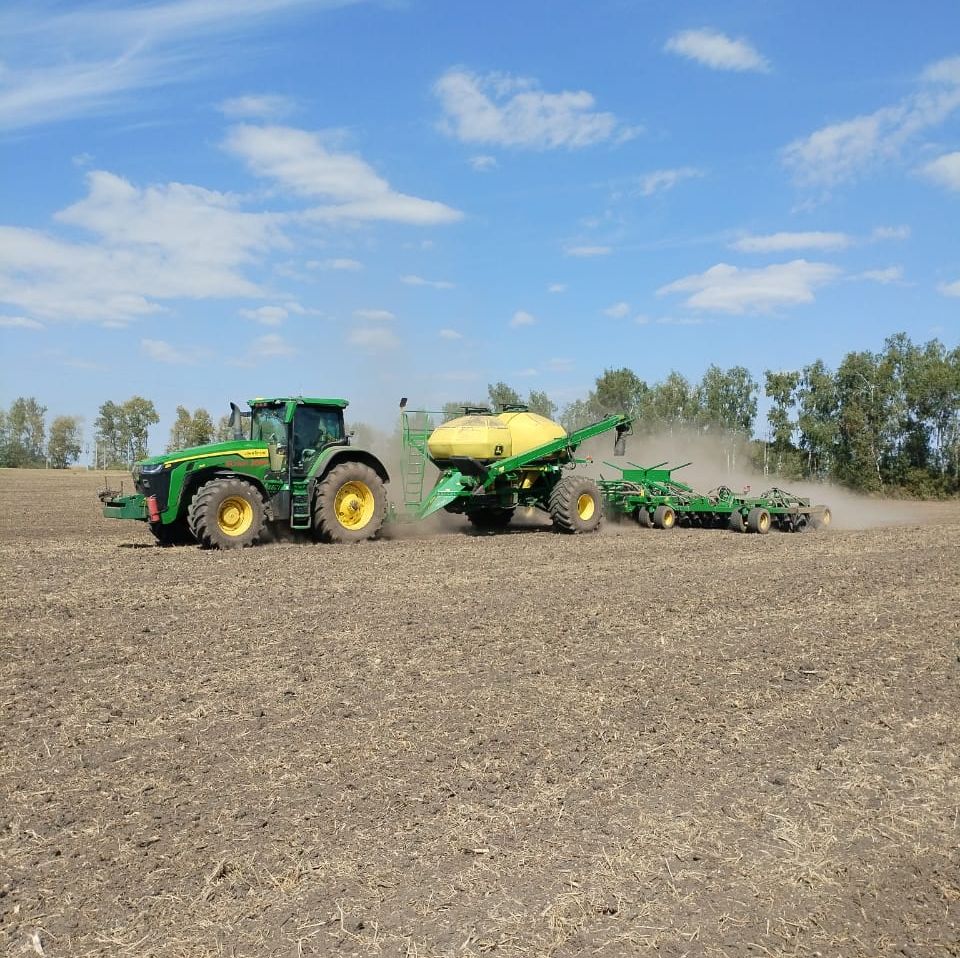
[349, 454]
[195, 480]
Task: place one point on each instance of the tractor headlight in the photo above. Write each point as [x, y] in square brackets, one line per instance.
[151, 468]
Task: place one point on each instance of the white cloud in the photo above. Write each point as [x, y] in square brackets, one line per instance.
[944, 171]
[892, 274]
[727, 289]
[483, 164]
[679, 321]
[420, 281]
[618, 310]
[842, 151]
[588, 251]
[717, 51]
[891, 233]
[661, 180]
[450, 334]
[780, 242]
[557, 288]
[559, 364]
[300, 162]
[514, 111]
[950, 289]
[19, 322]
[149, 244]
[522, 318]
[374, 338]
[262, 107]
[92, 58]
[267, 315]
[375, 315]
[271, 346]
[163, 352]
[340, 263]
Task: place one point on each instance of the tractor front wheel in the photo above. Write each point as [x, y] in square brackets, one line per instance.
[173, 534]
[226, 514]
[575, 505]
[350, 505]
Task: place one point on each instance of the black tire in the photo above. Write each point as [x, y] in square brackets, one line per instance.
[758, 520]
[226, 514]
[821, 520]
[664, 517]
[350, 504]
[737, 522]
[643, 517]
[490, 520]
[575, 505]
[173, 534]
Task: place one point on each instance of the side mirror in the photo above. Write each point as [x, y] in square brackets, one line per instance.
[277, 454]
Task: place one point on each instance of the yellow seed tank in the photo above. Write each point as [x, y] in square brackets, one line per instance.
[488, 438]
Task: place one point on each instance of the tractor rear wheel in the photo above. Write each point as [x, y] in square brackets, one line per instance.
[758, 520]
[226, 514]
[575, 505]
[350, 505]
[643, 517]
[737, 522]
[490, 520]
[664, 517]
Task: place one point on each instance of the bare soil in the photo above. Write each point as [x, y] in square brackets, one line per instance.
[673, 743]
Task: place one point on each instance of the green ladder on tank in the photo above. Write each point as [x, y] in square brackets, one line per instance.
[416, 427]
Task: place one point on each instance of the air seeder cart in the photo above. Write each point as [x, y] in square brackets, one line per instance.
[489, 490]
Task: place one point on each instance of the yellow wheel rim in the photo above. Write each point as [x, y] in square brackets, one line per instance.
[825, 518]
[586, 506]
[235, 516]
[764, 523]
[354, 504]
[669, 518]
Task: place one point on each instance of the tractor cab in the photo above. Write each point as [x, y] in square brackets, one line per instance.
[295, 431]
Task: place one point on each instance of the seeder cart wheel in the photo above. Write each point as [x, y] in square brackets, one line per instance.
[821, 520]
[643, 517]
[737, 522]
[758, 520]
[664, 517]
[575, 505]
[490, 520]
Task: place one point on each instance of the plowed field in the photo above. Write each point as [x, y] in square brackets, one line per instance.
[667, 743]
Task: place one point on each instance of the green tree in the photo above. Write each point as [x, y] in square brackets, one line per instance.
[201, 428]
[617, 391]
[25, 430]
[500, 395]
[670, 403]
[576, 415]
[781, 388]
[180, 430]
[122, 431]
[817, 419]
[65, 443]
[539, 402]
[727, 398]
[223, 431]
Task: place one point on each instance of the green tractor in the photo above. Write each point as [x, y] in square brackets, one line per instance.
[289, 464]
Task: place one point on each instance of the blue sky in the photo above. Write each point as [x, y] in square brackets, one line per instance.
[376, 199]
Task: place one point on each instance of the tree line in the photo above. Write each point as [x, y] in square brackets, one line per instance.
[887, 421]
